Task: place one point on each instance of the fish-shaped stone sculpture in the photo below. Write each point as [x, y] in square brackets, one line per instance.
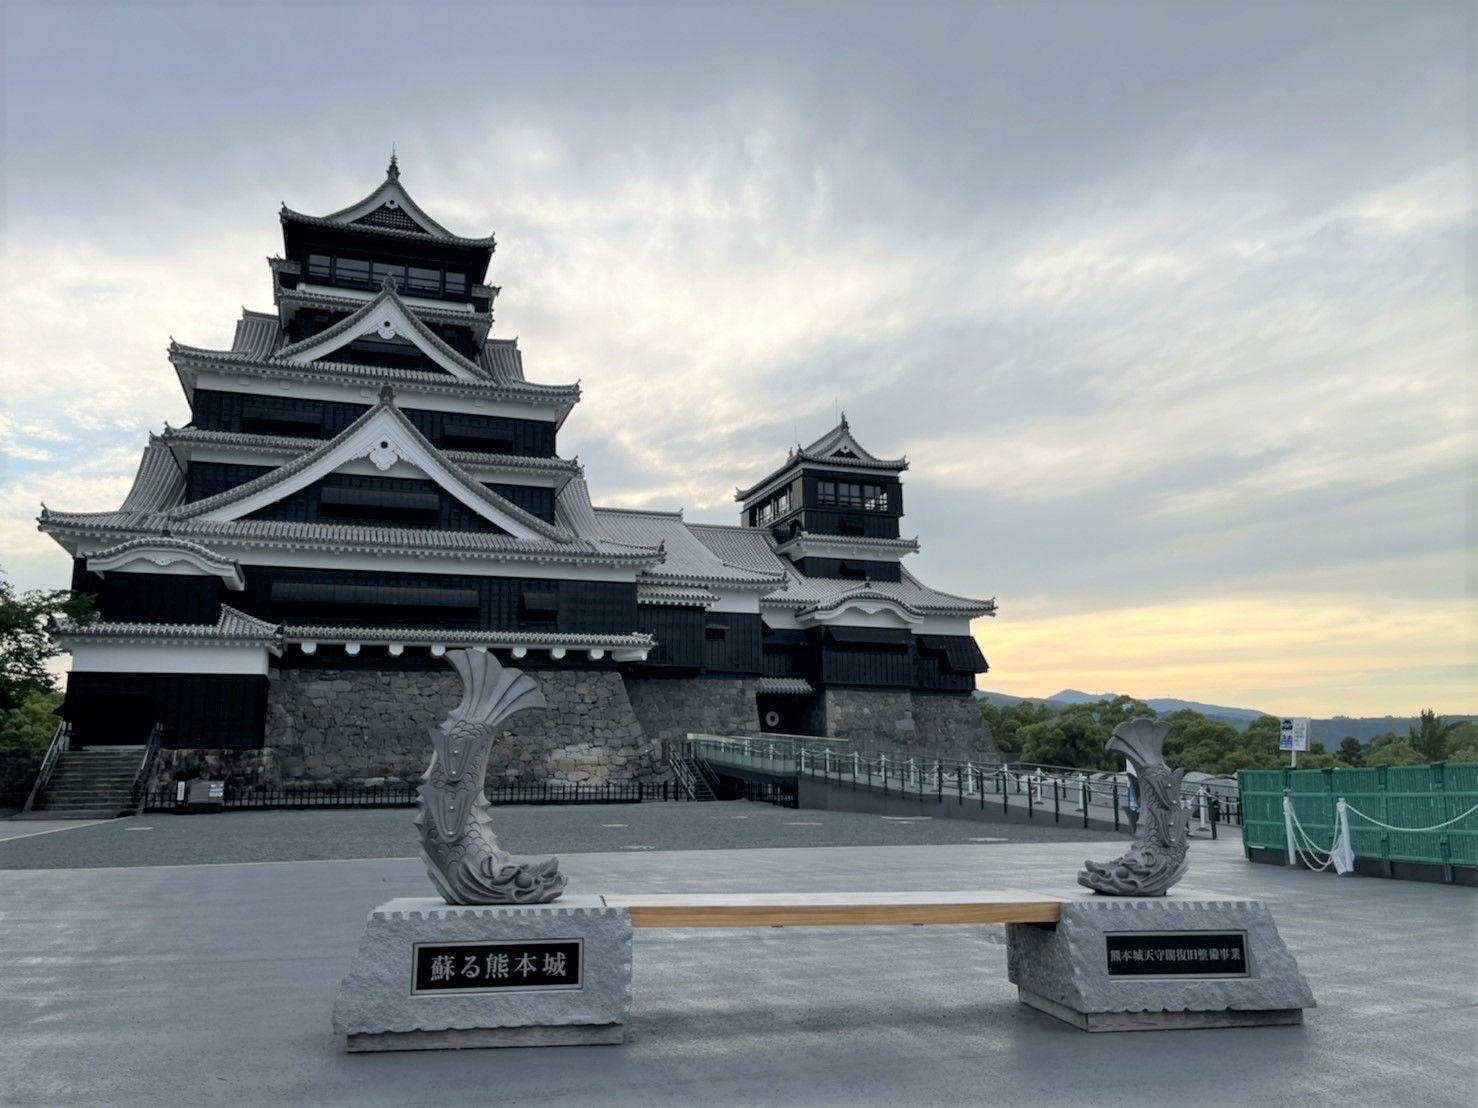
[1156, 858]
[457, 841]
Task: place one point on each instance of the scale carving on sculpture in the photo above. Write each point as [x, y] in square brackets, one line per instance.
[457, 840]
[1156, 858]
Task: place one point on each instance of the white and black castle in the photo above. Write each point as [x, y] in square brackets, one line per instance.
[368, 478]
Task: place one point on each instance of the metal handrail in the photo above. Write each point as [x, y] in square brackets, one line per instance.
[138, 793]
[60, 742]
[684, 777]
[914, 769]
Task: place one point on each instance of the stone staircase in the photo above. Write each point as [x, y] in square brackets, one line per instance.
[96, 783]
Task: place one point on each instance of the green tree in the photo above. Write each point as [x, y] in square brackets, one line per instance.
[26, 620]
[1398, 753]
[1462, 744]
[32, 722]
[1430, 735]
[1350, 752]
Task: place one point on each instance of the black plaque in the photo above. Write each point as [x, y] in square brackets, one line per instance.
[536, 965]
[1177, 954]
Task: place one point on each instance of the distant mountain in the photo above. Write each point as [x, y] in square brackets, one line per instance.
[1237, 717]
[1326, 731]
[1331, 731]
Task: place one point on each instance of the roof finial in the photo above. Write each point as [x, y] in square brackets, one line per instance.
[393, 170]
[387, 393]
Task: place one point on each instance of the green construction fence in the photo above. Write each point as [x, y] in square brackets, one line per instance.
[1403, 796]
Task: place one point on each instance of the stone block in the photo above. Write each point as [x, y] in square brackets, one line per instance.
[379, 1007]
[1065, 969]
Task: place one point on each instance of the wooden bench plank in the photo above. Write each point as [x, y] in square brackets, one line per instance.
[836, 909]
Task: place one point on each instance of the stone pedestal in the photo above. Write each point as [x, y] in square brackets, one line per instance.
[1116, 964]
[434, 976]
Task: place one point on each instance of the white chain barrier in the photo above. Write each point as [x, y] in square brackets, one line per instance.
[1341, 853]
[1416, 830]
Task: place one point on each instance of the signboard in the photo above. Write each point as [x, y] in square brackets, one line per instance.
[538, 965]
[1293, 734]
[1177, 954]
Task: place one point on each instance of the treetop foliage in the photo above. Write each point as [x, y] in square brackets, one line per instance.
[26, 620]
[1074, 736]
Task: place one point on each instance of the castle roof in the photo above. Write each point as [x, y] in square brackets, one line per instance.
[184, 440]
[233, 628]
[838, 448]
[388, 210]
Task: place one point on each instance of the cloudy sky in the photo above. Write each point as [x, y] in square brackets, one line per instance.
[1164, 302]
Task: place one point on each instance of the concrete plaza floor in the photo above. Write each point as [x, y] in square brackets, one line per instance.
[163, 838]
[206, 984]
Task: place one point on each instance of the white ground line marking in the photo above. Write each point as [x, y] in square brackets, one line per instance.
[990, 840]
[801, 823]
[54, 830]
[638, 848]
[908, 819]
[613, 825]
[728, 817]
[138, 829]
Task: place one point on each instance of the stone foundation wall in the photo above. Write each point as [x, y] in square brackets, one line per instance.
[941, 724]
[18, 768]
[872, 718]
[353, 726]
[235, 767]
[953, 727]
[671, 707]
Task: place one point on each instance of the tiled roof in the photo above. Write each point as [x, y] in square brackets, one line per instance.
[288, 444]
[393, 194]
[819, 594]
[434, 635]
[258, 334]
[835, 448]
[784, 686]
[159, 542]
[353, 322]
[680, 595]
[741, 546]
[479, 322]
[371, 377]
[840, 438]
[282, 473]
[858, 543]
[159, 483]
[341, 537]
[688, 560]
[232, 628]
[502, 360]
[289, 216]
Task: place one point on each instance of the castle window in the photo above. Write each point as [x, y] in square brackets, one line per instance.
[352, 271]
[424, 280]
[851, 494]
[381, 270]
[456, 283]
[715, 632]
[772, 509]
[320, 265]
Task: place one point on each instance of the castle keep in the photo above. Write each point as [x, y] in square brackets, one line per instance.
[368, 478]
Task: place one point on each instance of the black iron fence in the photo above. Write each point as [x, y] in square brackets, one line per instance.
[257, 798]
